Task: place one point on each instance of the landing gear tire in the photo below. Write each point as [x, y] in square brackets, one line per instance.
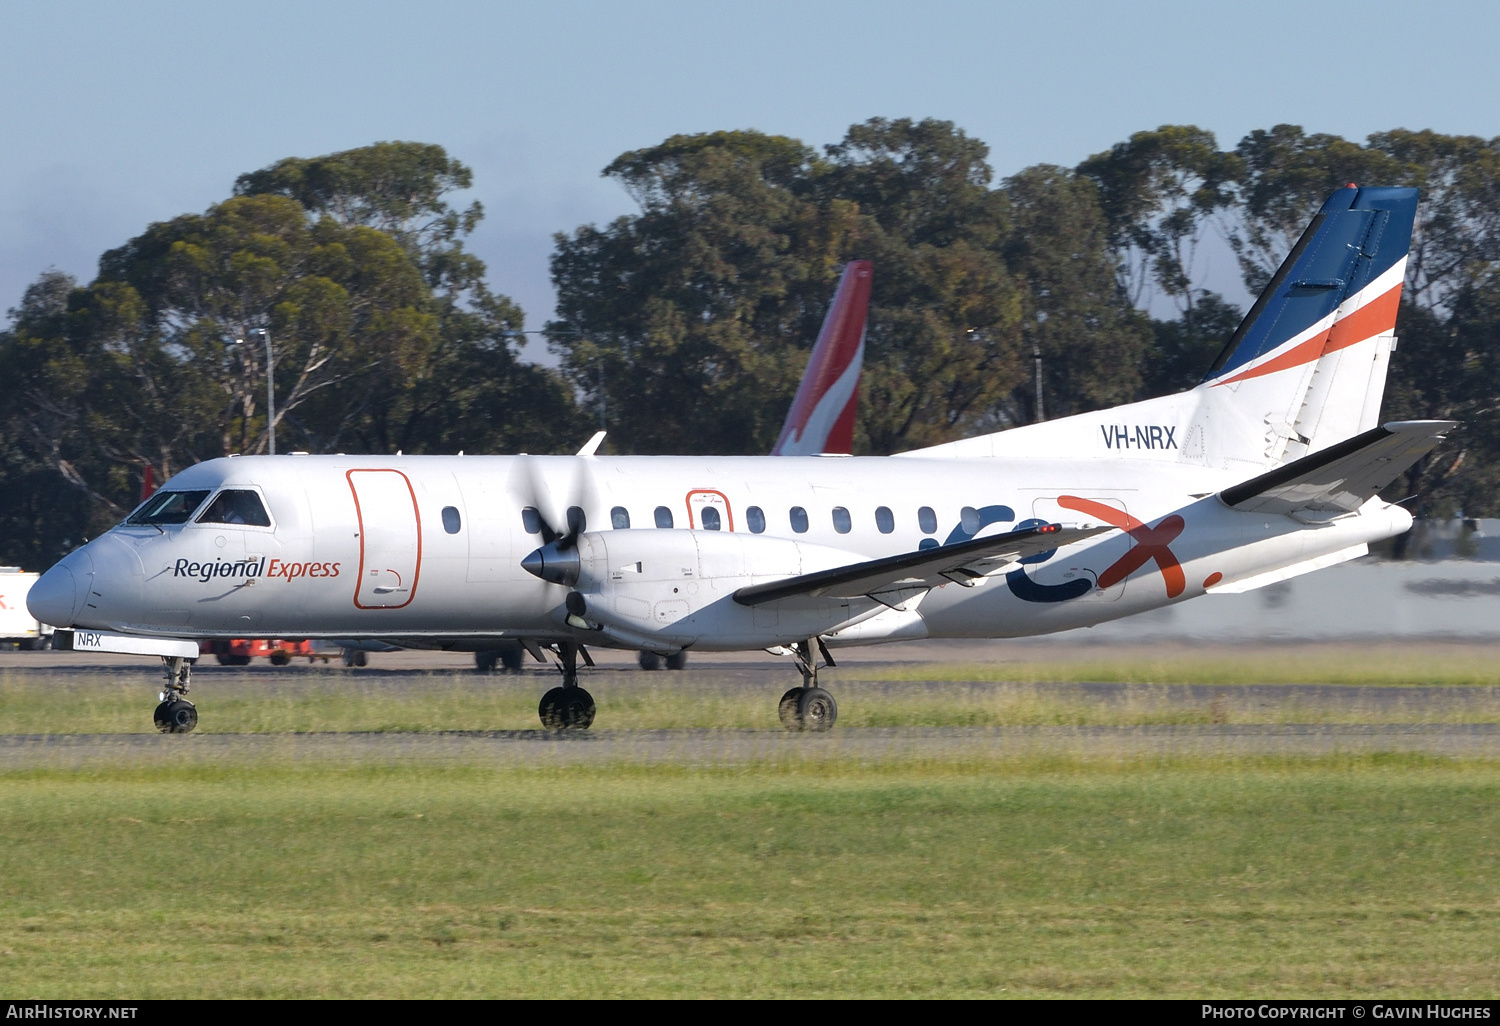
[787, 709]
[566, 708]
[677, 661]
[817, 710]
[649, 660]
[811, 709]
[176, 716]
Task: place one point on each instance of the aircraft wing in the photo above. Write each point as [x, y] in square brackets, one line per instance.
[1342, 477]
[894, 578]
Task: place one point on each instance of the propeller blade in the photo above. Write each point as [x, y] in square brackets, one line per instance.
[529, 483]
[560, 525]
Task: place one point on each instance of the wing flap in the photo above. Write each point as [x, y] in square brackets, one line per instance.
[910, 572]
[1342, 477]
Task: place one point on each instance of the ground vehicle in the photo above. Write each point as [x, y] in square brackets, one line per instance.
[239, 651]
[17, 625]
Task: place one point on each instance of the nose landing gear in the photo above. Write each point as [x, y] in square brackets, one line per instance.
[175, 714]
[809, 707]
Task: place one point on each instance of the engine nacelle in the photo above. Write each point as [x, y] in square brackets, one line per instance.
[672, 589]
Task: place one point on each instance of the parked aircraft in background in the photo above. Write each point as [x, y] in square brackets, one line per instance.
[821, 419]
[1266, 470]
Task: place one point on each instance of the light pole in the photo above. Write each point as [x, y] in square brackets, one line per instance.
[1036, 354]
[270, 389]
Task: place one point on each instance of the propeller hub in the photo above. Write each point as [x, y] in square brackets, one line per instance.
[554, 564]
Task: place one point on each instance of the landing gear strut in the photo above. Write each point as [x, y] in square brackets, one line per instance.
[176, 715]
[568, 707]
[809, 707]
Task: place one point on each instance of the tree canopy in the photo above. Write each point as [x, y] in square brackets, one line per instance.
[696, 314]
[688, 322]
[385, 337]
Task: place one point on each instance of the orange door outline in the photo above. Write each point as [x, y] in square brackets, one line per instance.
[728, 509]
[360, 519]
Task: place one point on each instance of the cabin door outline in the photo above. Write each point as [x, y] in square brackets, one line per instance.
[390, 543]
[701, 497]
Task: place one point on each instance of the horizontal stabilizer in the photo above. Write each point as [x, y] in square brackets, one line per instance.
[920, 570]
[1344, 476]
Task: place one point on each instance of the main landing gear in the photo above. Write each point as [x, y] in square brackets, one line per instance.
[176, 715]
[568, 707]
[809, 707]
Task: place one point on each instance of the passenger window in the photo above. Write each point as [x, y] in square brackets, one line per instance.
[619, 518]
[663, 517]
[168, 508]
[969, 518]
[841, 520]
[451, 522]
[577, 522]
[710, 518]
[927, 520]
[799, 520]
[531, 520]
[236, 506]
[756, 518]
[885, 519]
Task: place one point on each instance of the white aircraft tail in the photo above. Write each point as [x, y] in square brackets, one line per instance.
[1305, 369]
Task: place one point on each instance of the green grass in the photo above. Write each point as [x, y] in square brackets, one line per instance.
[1415, 664]
[1305, 878]
[345, 701]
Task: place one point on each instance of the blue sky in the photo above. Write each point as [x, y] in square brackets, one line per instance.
[116, 115]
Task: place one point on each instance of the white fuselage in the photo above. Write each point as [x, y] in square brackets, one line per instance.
[428, 549]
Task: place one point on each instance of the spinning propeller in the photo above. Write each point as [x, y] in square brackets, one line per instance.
[560, 523]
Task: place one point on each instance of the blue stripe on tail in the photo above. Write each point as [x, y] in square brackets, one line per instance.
[1358, 235]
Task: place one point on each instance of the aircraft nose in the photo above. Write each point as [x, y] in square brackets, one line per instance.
[59, 593]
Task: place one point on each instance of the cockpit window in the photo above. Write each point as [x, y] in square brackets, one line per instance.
[168, 508]
[236, 506]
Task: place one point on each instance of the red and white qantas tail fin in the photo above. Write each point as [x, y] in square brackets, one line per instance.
[822, 415]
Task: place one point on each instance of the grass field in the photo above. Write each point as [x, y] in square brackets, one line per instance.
[1329, 877]
[467, 702]
[1405, 663]
[940, 875]
[1016, 691]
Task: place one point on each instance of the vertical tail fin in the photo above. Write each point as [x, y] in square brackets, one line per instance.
[822, 415]
[1311, 355]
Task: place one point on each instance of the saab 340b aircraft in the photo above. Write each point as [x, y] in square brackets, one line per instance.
[1267, 469]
